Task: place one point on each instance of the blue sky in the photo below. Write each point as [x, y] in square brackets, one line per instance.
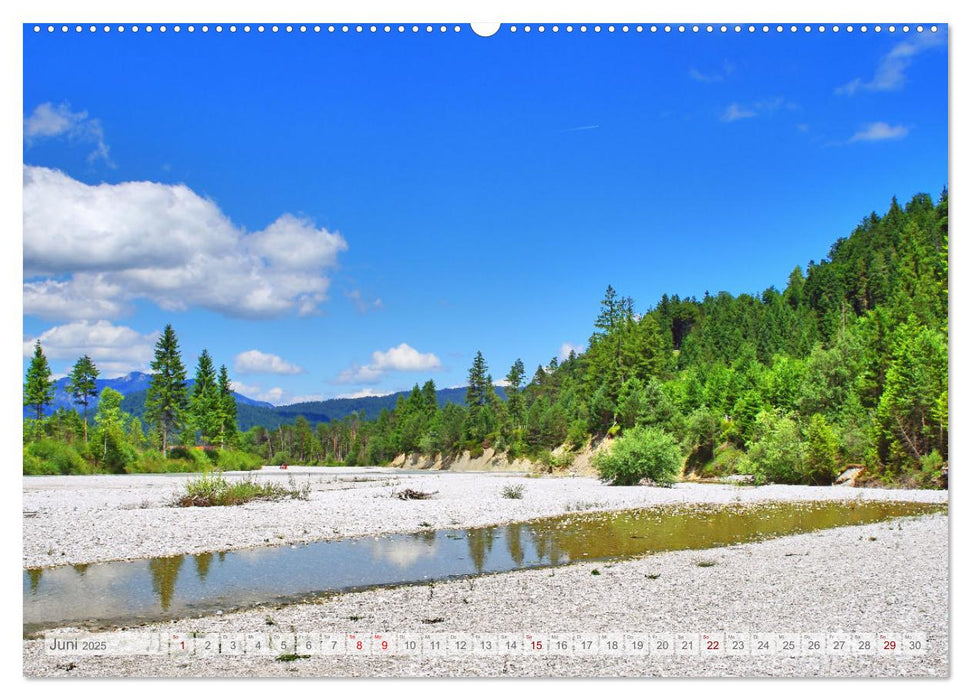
[337, 214]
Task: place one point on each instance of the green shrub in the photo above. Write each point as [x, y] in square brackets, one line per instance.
[727, 459]
[932, 470]
[576, 435]
[56, 458]
[235, 460]
[777, 453]
[33, 466]
[822, 464]
[182, 452]
[641, 453]
[113, 453]
[213, 489]
[152, 462]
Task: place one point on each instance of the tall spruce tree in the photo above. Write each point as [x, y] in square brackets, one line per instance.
[167, 399]
[205, 408]
[475, 395]
[82, 386]
[227, 405]
[38, 387]
[514, 395]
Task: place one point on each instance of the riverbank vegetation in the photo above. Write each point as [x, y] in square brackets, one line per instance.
[846, 366]
[214, 489]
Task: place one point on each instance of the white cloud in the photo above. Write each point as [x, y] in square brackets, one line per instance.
[249, 390]
[879, 131]
[50, 121]
[363, 393]
[567, 348]
[587, 127]
[305, 398]
[97, 248]
[402, 358]
[256, 362]
[891, 72]
[363, 305]
[275, 396]
[116, 350]
[714, 76]
[765, 106]
[735, 111]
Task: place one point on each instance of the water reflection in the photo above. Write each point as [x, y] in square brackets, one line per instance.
[203, 562]
[514, 543]
[33, 578]
[403, 553]
[165, 572]
[121, 592]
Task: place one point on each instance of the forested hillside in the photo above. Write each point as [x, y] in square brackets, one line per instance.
[846, 365]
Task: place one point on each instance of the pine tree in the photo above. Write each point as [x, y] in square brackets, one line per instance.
[38, 387]
[475, 395]
[166, 401]
[514, 395]
[82, 386]
[204, 406]
[227, 410]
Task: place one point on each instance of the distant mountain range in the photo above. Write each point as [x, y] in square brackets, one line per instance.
[250, 412]
[133, 384]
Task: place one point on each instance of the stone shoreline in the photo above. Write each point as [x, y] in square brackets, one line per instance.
[89, 519]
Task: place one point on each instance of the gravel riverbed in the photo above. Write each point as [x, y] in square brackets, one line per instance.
[884, 577]
[88, 519]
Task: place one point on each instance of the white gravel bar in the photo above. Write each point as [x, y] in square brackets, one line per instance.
[884, 577]
[88, 519]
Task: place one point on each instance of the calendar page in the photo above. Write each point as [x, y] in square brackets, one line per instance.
[524, 349]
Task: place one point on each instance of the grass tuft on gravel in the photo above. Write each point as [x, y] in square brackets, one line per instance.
[514, 491]
[213, 489]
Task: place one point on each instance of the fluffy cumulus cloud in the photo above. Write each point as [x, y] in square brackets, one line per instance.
[402, 358]
[91, 250]
[879, 131]
[49, 121]
[891, 72]
[275, 395]
[256, 362]
[116, 350]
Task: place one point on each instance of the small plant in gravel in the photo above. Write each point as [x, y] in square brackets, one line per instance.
[654, 577]
[595, 572]
[291, 657]
[213, 489]
[705, 564]
[577, 506]
[513, 491]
